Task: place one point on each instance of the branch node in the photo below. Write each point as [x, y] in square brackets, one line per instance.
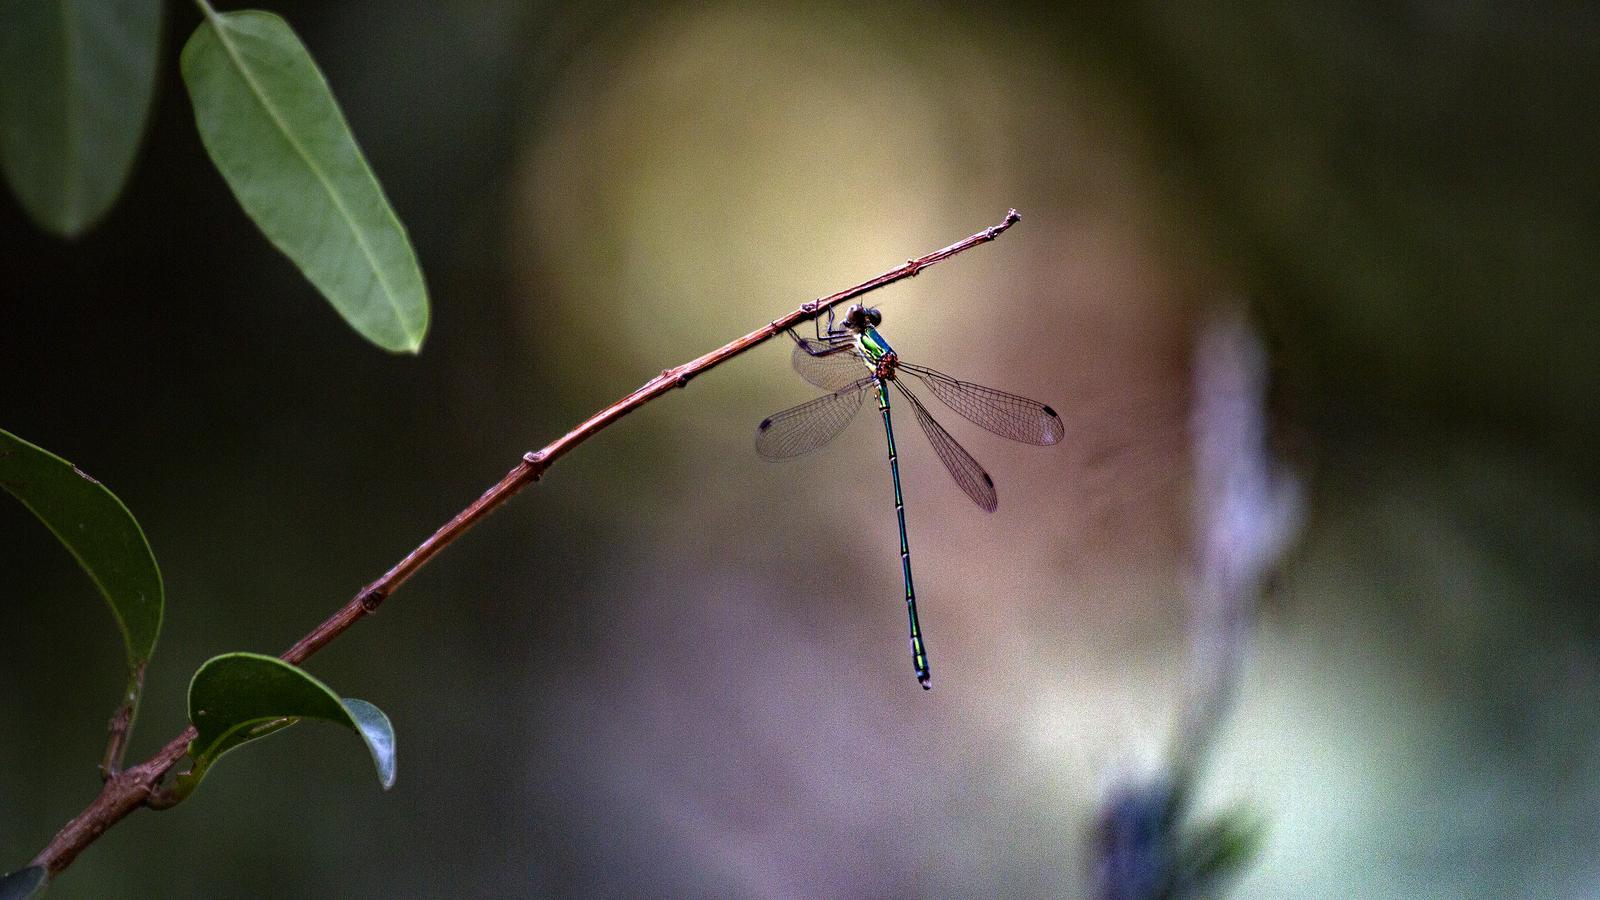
[916, 266]
[808, 310]
[677, 376]
[535, 461]
[371, 598]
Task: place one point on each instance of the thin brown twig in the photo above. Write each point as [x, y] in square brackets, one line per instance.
[127, 790]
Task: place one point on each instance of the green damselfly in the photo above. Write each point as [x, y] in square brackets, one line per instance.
[850, 360]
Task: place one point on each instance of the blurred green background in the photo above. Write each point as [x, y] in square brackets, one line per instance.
[674, 669]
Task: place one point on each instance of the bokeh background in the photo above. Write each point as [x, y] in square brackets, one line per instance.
[673, 669]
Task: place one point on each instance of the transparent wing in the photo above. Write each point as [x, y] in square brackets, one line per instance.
[957, 461]
[806, 427]
[1007, 415]
[816, 347]
[829, 368]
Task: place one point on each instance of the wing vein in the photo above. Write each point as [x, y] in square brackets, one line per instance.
[802, 429]
[829, 368]
[996, 411]
[957, 461]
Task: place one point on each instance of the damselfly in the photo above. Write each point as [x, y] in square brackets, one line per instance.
[851, 360]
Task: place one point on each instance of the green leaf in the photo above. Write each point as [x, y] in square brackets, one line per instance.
[24, 883]
[274, 131]
[1222, 847]
[76, 78]
[378, 733]
[96, 529]
[238, 697]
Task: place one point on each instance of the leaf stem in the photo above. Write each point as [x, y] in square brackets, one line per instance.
[131, 788]
[121, 724]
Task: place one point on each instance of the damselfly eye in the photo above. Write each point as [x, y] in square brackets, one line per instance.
[874, 317]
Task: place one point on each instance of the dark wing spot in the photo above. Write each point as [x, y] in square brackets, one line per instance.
[1051, 413]
[987, 480]
[765, 424]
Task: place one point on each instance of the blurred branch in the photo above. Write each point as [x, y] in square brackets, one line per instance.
[1246, 512]
[131, 788]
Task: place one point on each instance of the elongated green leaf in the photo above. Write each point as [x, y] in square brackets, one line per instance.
[76, 78]
[238, 697]
[98, 530]
[24, 883]
[276, 134]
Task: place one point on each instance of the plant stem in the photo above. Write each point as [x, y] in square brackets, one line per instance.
[121, 724]
[131, 788]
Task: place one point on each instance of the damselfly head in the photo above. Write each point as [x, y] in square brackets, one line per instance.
[859, 317]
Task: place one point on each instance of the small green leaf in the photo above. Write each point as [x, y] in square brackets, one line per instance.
[1222, 847]
[238, 697]
[96, 529]
[24, 883]
[76, 78]
[276, 134]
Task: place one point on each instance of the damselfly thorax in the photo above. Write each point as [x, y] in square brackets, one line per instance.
[880, 358]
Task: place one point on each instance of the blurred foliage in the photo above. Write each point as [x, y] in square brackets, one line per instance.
[76, 83]
[23, 883]
[1144, 850]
